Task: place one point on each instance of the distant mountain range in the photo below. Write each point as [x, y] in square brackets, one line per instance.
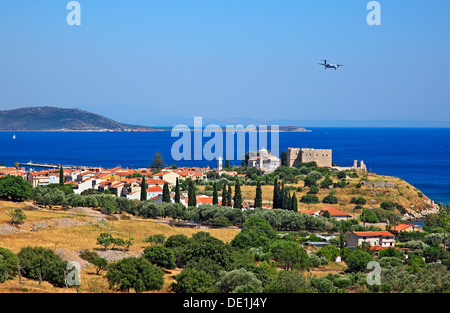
[59, 119]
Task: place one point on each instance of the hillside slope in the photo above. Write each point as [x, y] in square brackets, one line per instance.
[52, 119]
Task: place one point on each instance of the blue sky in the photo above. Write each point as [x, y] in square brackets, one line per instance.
[162, 62]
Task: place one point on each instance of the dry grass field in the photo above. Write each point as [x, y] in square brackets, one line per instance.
[77, 230]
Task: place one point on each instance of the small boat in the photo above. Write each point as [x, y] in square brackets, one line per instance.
[14, 136]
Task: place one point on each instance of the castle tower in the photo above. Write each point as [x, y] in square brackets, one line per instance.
[363, 166]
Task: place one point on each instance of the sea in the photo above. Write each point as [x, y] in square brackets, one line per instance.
[421, 156]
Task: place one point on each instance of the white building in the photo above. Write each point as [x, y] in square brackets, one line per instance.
[264, 161]
[374, 238]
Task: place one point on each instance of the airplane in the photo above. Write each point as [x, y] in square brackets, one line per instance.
[328, 65]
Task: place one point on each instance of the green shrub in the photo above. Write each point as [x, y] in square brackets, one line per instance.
[134, 273]
[330, 199]
[309, 199]
[193, 281]
[313, 190]
[8, 264]
[221, 221]
[322, 285]
[15, 188]
[161, 256]
[42, 264]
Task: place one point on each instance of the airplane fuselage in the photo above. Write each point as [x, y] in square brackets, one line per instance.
[330, 66]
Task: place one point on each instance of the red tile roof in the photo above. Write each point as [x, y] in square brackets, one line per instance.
[154, 189]
[400, 227]
[373, 233]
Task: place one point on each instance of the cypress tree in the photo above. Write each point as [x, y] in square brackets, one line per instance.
[166, 193]
[237, 195]
[192, 201]
[227, 164]
[224, 195]
[294, 203]
[288, 201]
[61, 176]
[215, 199]
[278, 195]
[275, 194]
[285, 200]
[258, 197]
[284, 158]
[177, 191]
[143, 189]
[229, 196]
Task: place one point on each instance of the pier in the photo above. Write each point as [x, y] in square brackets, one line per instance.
[50, 165]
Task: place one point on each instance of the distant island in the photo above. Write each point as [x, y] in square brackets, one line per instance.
[60, 119]
[45, 118]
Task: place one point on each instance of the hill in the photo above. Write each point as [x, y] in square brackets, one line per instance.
[58, 119]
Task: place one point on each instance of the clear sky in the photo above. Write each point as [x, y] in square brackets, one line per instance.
[159, 62]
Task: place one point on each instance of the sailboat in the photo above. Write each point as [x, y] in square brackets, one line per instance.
[14, 136]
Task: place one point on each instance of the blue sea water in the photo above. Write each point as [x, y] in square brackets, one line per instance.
[420, 156]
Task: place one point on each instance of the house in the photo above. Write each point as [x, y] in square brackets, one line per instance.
[201, 199]
[117, 188]
[84, 175]
[228, 173]
[334, 213]
[193, 175]
[170, 177]
[135, 195]
[151, 182]
[405, 227]
[41, 178]
[5, 171]
[89, 183]
[374, 238]
[154, 191]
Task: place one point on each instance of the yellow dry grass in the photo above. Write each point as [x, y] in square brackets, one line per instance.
[84, 237]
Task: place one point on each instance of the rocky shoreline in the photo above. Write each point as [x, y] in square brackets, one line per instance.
[412, 215]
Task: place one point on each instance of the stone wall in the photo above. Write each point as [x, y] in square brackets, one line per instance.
[322, 157]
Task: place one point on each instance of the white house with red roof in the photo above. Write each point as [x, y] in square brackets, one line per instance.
[154, 191]
[334, 213]
[380, 239]
[86, 184]
[405, 227]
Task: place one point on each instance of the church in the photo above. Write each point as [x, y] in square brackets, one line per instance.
[264, 161]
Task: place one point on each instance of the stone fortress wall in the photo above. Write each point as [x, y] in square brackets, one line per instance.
[322, 157]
